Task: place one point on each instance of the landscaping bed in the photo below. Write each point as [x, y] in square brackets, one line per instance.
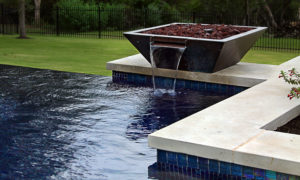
[292, 127]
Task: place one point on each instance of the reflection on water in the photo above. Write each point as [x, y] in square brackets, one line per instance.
[57, 125]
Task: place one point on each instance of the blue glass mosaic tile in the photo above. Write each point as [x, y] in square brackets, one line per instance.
[163, 167]
[203, 164]
[231, 89]
[175, 168]
[195, 85]
[161, 156]
[223, 88]
[270, 175]
[215, 88]
[184, 170]
[214, 166]
[194, 172]
[188, 84]
[238, 89]
[141, 79]
[280, 176]
[172, 158]
[180, 170]
[167, 83]
[192, 162]
[225, 168]
[130, 77]
[236, 170]
[171, 168]
[189, 171]
[248, 172]
[204, 168]
[180, 84]
[206, 175]
[209, 87]
[198, 172]
[182, 160]
[259, 174]
[202, 86]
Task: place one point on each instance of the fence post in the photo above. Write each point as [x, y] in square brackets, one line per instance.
[194, 17]
[99, 22]
[2, 17]
[57, 21]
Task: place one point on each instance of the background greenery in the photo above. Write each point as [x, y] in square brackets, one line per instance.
[89, 55]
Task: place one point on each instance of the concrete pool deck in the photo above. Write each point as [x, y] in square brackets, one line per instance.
[239, 129]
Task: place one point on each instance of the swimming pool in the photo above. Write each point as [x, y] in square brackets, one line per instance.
[59, 125]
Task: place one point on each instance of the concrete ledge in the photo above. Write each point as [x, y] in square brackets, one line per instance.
[235, 130]
[241, 74]
[238, 129]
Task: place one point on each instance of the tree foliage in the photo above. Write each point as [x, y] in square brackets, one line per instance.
[277, 14]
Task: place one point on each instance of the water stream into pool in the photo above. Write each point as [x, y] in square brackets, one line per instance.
[59, 125]
[154, 47]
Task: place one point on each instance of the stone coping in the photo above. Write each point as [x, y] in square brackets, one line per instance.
[238, 129]
[241, 74]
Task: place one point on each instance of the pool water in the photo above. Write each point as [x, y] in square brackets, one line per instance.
[59, 125]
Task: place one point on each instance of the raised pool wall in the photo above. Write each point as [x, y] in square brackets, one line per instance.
[233, 138]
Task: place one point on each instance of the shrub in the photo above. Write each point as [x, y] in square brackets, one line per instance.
[115, 15]
[169, 14]
[75, 15]
[293, 78]
[153, 16]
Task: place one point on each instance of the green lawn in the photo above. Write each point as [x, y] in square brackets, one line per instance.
[268, 57]
[64, 54]
[89, 55]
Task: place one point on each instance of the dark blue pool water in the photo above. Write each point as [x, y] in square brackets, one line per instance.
[58, 125]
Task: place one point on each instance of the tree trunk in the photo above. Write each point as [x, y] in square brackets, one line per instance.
[22, 27]
[285, 7]
[37, 11]
[270, 14]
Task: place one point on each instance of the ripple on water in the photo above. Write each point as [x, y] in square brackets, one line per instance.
[58, 125]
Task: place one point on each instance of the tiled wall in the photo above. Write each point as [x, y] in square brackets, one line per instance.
[163, 82]
[211, 169]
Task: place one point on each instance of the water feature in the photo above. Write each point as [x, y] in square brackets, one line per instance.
[201, 54]
[156, 49]
[58, 125]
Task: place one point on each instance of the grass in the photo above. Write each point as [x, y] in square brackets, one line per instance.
[89, 55]
[268, 57]
[63, 54]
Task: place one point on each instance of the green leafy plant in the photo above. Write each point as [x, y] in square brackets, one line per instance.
[292, 77]
[78, 16]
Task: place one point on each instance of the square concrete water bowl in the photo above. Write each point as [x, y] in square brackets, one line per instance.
[208, 48]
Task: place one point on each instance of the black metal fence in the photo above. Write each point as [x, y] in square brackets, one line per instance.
[96, 22]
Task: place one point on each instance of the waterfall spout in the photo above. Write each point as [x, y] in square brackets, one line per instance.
[158, 48]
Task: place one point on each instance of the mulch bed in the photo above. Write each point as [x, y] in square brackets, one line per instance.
[211, 31]
[292, 127]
